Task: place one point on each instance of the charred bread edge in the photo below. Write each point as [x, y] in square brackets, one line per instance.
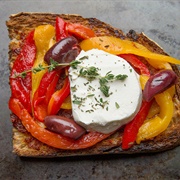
[25, 145]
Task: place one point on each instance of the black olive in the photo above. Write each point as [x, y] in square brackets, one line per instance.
[64, 51]
[159, 83]
[65, 126]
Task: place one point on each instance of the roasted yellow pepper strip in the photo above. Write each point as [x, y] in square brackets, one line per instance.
[67, 103]
[159, 123]
[158, 64]
[154, 110]
[143, 79]
[43, 37]
[118, 46]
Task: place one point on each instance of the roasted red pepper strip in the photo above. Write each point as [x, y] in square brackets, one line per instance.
[42, 94]
[79, 30]
[58, 97]
[61, 31]
[51, 88]
[136, 63]
[50, 138]
[21, 87]
[131, 129]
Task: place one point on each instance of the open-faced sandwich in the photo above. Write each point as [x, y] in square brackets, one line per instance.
[82, 87]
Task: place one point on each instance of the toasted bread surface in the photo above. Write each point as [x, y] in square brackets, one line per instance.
[25, 145]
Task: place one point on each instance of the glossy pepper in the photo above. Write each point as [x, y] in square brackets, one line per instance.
[136, 63]
[131, 129]
[61, 31]
[67, 103]
[43, 37]
[118, 46]
[159, 123]
[64, 29]
[21, 87]
[58, 97]
[43, 94]
[154, 110]
[80, 31]
[50, 138]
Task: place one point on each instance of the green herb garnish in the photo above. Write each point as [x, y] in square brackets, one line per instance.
[74, 64]
[90, 73]
[53, 64]
[105, 90]
[101, 102]
[117, 105]
[78, 100]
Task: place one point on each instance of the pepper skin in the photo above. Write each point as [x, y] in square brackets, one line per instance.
[131, 129]
[21, 87]
[159, 123]
[80, 31]
[43, 37]
[50, 138]
[67, 103]
[118, 46]
[60, 28]
[58, 97]
[43, 93]
[136, 63]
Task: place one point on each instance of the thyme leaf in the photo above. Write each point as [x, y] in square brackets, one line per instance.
[84, 57]
[74, 64]
[101, 102]
[53, 65]
[117, 105]
[39, 68]
[105, 90]
[103, 81]
[23, 74]
[121, 77]
[89, 73]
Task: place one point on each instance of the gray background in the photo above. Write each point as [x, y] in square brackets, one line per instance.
[160, 20]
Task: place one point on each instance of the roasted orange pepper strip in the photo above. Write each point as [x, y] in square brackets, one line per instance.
[80, 30]
[58, 97]
[50, 138]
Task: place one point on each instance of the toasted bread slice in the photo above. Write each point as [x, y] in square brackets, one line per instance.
[26, 145]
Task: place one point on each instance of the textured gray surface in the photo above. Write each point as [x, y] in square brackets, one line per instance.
[160, 21]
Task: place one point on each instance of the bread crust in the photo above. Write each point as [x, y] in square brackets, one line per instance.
[25, 145]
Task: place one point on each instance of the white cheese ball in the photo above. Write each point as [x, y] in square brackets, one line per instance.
[90, 106]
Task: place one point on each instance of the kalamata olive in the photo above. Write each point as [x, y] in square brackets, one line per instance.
[159, 83]
[62, 125]
[64, 51]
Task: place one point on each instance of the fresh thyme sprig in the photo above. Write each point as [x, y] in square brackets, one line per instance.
[91, 73]
[53, 64]
[109, 77]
